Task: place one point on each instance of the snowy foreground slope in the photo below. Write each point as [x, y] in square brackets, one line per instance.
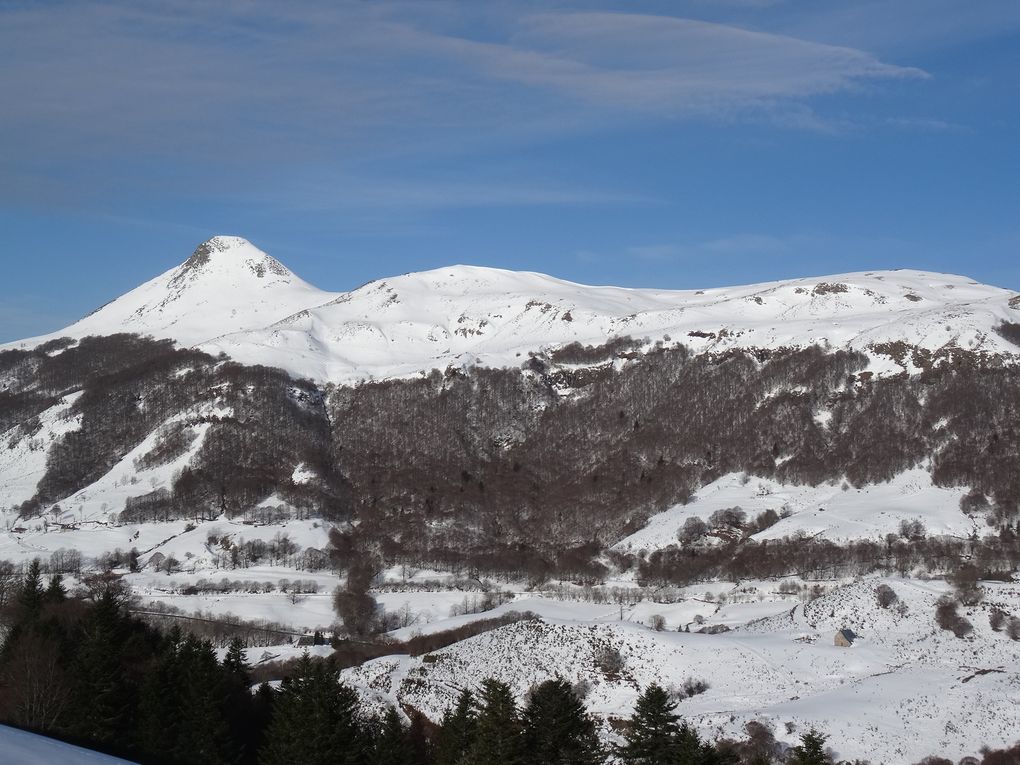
[20, 748]
[904, 690]
[230, 296]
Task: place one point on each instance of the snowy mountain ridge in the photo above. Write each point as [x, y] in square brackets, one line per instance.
[230, 296]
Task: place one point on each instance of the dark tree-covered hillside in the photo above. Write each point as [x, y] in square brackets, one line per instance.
[526, 470]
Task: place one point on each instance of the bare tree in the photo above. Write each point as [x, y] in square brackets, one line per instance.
[357, 609]
[885, 595]
[95, 587]
[36, 692]
[965, 579]
[9, 580]
[609, 660]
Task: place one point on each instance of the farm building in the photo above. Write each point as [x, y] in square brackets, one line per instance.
[845, 638]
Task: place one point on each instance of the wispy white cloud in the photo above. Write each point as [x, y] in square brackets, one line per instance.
[657, 62]
[193, 98]
[360, 194]
[928, 124]
[906, 27]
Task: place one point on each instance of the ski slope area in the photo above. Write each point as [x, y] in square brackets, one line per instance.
[18, 747]
[829, 511]
[230, 296]
[904, 690]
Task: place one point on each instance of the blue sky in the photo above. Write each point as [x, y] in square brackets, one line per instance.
[666, 144]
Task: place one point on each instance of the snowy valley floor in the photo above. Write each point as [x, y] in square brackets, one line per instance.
[905, 689]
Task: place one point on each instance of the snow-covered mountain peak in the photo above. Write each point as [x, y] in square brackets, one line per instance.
[462, 281]
[229, 257]
[227, 285]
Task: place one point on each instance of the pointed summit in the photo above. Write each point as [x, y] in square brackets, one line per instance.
[226, 285]
[229, 256]
[217, 244]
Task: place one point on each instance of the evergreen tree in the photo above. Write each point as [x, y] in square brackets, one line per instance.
[707, 754]
[31, 595]
[391, 743]
[235, 663]
[101, 697]
[419, 740]
[557, 729]
[203, 738]
[246, 715]
[811, 750]
[159, 706]
[457, 732]
[55, 592]
[691, 750]
[656, 736]
[498, 730]
[315, 721]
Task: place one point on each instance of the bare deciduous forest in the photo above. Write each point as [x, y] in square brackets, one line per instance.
[527, 471]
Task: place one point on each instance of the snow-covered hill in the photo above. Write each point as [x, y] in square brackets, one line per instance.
[904, 690]
[232, 297]
[839, 512]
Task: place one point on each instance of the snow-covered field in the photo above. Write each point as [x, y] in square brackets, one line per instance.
[20, 748]
[839, 512]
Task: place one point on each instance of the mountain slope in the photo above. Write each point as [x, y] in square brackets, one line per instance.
[465, 315]
[231, 297]
[227, 285]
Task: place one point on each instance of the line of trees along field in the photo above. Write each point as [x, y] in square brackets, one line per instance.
[496, 466]
[82, 669]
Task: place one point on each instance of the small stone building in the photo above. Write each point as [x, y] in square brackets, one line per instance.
[845, 638]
